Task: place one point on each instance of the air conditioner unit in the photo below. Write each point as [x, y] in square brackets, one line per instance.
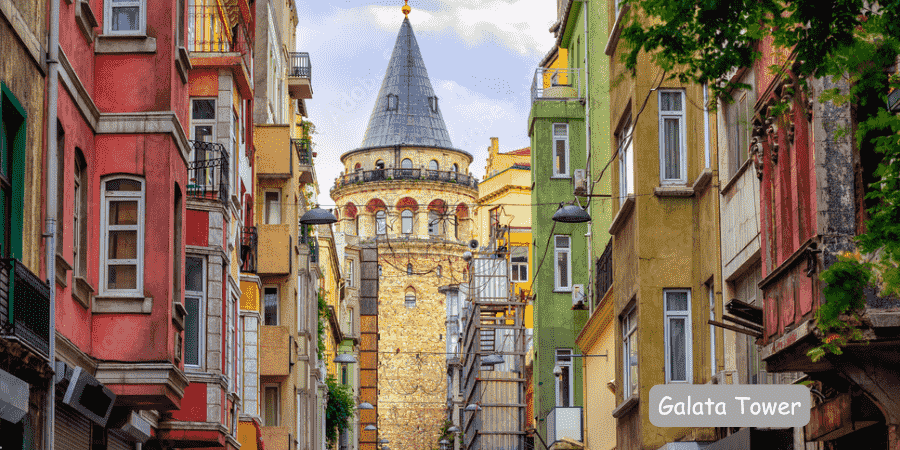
[89, 396]
[578, 297]
[581, 182]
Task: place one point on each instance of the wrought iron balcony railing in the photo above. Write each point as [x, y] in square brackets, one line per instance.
[363, 176]
[219, 29]
[248, 249]
[556, 84]
[300, 66]
[313, 251]
[24, 306]
[604, 273]
[303, 147]
[208, 171]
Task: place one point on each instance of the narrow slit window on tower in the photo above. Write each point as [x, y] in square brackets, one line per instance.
[392, 102]
[433, 104]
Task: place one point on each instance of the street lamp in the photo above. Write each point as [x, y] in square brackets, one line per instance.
[453, 429]
[345, 358]
[571, 214]
[365, 405]
[473, 407]
[318, 216]
[370, 427]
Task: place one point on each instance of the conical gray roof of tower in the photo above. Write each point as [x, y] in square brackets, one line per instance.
[404, 112]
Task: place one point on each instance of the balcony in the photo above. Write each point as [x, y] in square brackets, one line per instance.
[604, 268]
[303, 148]
[299, 76]
[563, 423]
[275, 352]
[208, 172]
[274, 151]
[24, 307]
[248, 249]
[218, 37]
[556, 84]
[274, 249]
[365, 176]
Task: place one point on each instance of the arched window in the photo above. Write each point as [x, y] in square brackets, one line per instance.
[433, 165]
[438, 271]
[358, 167]
[380, 225]
[456, 167]
[410, 299]
[406, 221]
[409, 269]
[379, 164]
[434, 224]
[406, 163]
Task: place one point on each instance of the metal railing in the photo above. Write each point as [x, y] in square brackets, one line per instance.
[363, 176]
[24, 306]
[303, 147]
[604, 276]
[556, 84]
[215, 29]
[313, 251]
[300, 66]
[564, 423]
[249, 241]
[208, 171]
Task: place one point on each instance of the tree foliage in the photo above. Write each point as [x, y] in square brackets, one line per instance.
[852, 41]
[338, 410]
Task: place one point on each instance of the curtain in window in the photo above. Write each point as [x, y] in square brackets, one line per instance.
[672, 143]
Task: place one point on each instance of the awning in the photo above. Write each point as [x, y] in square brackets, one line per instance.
[13, 397]
[754, 438]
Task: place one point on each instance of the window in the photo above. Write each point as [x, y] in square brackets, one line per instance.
[433, 165]
[350, 321]
[60, 189]
[455, 167]
[122, 237]
[272, 410]
[350, 273]
[379, 164]
[358, 167]
[273, 207]
[626, 161]
[672, 151]
[203, 119]
[565, 383]
[380, 223]
[12, 150]
[434, 224]
[379, 271]
[629, 352]
[738, 118]
[406, 221]
[270, 305]
[712, 328]
[518, 258]
[678, 335]
[563, 274]
[125, 17]
[79, 217]
[437, 272]
[194, 303]
[494, 217]
[392, 102]
[409, 269]
[406, 163]
[560, 150]
[410, 299]
[433, 104]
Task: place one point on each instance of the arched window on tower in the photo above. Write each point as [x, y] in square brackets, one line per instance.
[434, 224]
[410, 298]
[406, 163]
[406, 221]
[380, 225]
[409, 269]
[379, 165]
[433, 165]
[438, 271]
[392, 102]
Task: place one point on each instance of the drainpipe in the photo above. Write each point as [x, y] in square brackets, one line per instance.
[587, 152]
[706, 153]
[50, 243]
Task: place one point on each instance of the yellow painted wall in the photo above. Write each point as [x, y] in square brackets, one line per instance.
[420, 157]
[247, 435]
[598, 338]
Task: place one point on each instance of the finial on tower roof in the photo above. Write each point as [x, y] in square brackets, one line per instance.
[406, 9]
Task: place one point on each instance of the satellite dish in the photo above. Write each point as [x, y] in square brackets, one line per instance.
[473, 244]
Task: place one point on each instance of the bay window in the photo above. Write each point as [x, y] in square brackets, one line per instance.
[122, 241]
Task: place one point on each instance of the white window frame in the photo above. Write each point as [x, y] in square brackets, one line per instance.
[682, 138]
[518, 266]
[688, 354]
[380, 222]
[629, 327]
[434, 224]
[557, 173]
[201, 308]
[561, 355]
[351, 273]
[142, 17]
[277, 304]
[626, 160]
[265, 214]
[407, 215]
[105, 262]
[557, 286]
[713, 363]
[204, 122]
[407, 303]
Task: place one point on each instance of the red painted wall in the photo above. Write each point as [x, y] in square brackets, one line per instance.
[193, 405]
[196, 228]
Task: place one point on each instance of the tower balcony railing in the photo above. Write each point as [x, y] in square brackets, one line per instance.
[300, 76]
[556, 84]
[249, 242]
[300, 66]
[217, 29]
[364, 176]
[24, 306]
[208, 171]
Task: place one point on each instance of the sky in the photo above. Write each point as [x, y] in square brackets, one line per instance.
[480, 56]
